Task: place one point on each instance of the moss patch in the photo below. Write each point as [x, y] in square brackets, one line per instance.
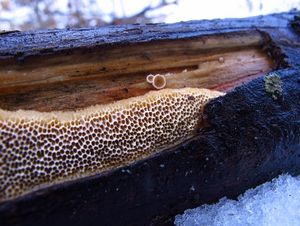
[273, 85]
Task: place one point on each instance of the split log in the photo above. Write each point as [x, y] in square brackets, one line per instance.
[249, 136]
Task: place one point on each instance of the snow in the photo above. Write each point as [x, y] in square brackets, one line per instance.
[16, 15]
[212, 9]
[273, 203]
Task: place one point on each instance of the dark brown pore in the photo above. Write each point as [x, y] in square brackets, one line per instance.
[73, 79]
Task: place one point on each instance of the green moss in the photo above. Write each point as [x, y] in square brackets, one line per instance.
[273, 85]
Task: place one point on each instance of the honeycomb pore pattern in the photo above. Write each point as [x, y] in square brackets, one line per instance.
[41, 149]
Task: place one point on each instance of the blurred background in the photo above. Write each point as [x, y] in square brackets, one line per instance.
[270, 204]
[44, 14]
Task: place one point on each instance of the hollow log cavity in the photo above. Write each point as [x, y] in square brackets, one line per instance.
[80, 112]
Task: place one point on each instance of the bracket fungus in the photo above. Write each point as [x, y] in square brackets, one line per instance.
[39, 149]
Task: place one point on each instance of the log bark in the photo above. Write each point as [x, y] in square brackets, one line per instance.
[250, 137]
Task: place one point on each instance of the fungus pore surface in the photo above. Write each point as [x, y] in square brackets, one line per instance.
[38, 149]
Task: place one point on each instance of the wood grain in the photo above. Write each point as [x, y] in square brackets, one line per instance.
[70, 81]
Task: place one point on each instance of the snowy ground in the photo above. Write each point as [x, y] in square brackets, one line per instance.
[275, 203]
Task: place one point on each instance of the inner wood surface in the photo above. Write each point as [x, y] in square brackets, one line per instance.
[84, 78]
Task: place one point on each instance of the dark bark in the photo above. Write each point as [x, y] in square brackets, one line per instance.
[19, 45]
[251, 137]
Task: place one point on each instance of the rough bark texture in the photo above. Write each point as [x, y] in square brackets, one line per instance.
[250, 136]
